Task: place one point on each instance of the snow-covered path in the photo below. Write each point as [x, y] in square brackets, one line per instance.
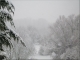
[37, 56]
[41, 57]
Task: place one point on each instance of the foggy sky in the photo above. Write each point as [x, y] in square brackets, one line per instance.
[49, 10]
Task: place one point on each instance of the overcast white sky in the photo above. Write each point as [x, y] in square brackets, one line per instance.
[49, 9]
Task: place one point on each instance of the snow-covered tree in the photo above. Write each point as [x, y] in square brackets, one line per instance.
[67, 32]
[7, 34]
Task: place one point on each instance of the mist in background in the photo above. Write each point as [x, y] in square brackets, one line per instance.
[49, 10]
[42, 13]
[51, 23]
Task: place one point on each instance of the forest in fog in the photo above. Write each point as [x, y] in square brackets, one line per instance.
[62, 38]
[28, 39]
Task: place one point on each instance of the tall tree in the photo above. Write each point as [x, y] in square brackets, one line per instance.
[67, 32]
[7, 34]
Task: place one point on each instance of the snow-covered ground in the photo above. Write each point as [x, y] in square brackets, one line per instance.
[41, 57]
[37, 56]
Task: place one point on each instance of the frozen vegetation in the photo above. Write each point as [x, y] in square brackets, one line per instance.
[37, 39]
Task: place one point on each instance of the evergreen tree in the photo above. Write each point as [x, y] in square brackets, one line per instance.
[6, 34]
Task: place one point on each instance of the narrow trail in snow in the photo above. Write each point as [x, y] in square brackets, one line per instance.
[37, 55]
